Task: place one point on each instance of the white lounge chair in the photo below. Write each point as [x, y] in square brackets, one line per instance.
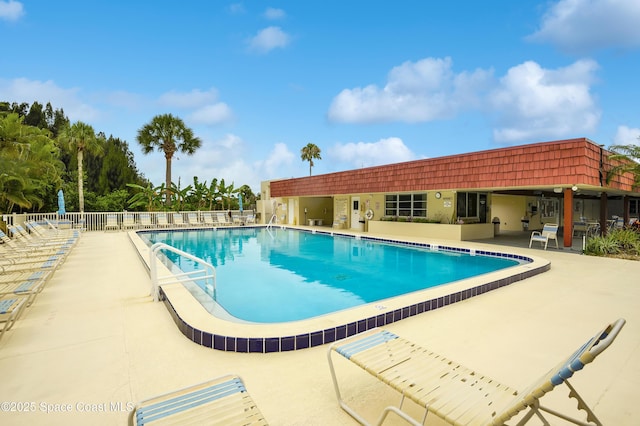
[549, 232]
[222, 401]
[222, 219]
[129, 221]
[192, 219]
[162, 220]
[178, 220]
[207, 219]
[145, 220]
[112, 222]
[11, 307]
[457, 394]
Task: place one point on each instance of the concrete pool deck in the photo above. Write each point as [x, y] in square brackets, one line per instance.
[94, 341]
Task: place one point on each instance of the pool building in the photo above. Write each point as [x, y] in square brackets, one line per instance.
[464, 197]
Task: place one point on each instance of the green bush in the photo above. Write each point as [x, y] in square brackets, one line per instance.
[617, 242]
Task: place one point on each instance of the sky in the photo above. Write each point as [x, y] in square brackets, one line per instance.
[368, 82]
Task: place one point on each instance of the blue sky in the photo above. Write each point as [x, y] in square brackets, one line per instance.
[369, 82]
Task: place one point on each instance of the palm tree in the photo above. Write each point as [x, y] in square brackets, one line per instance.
[309, 153]
[168, 134]
[81, 137]
[629, 155]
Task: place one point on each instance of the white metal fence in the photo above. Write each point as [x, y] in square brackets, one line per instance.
[97, 221]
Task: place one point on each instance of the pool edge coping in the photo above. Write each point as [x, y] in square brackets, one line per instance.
[201, 327]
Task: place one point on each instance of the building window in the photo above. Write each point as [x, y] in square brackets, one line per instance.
[408, 205]
[634, 208]
[468, 204]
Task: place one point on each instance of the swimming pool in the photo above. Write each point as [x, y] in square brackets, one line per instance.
[281, 275]
[219, 333]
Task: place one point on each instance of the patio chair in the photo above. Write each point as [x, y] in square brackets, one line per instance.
[251, 219]
[222, 219]
[145, 220]
[129, 221]
[162, 220]
[457, 394]
[28, 287]
[549, 232]
[11, 307]
[16, 248]
[112, 222]
[221, 401]
[192, 219]
[178, 220]
[207, 219]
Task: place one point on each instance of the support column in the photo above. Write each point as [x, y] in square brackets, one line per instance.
[568, 217]
[603, 213]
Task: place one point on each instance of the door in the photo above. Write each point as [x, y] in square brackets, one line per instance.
[355, 212]
[292, 212]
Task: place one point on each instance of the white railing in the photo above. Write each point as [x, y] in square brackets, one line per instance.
[272, 221]
[97, 221]
[208, 273]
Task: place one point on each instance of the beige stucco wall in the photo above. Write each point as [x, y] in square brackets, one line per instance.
[510, 209]
[434, 230]
[441, 209]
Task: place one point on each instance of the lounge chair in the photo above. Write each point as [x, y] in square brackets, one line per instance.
[207, 219]
[221, 401]
[129, 221]
[19, 233]
[27, 287]
[251, 219]
[457, 394]
[145, 220]
[11, 308]
[18, 249]
[549, 232]
[222, 219]
[162, 220]
[112, 222]
[178, 220]
[192, 219]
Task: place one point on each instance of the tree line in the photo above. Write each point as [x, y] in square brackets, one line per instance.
[42, 152]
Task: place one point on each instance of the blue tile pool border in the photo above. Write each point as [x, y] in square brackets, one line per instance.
[320, 337]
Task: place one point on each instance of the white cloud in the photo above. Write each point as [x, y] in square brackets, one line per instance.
[206, 108]
[279, 159]
[366, 154]
[532, 102]
[627, 136]
[192, 99]
[415, 92]
[584, 25]
[237, 8]
[11, 10]
[212, 114]
[25, 90]
[227, 158]
[274, 14]
[268, 39]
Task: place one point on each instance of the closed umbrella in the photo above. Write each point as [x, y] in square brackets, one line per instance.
[61, 210]
[240, 202]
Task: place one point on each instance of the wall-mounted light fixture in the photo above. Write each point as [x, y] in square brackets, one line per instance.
[557, 190]
[574, 188]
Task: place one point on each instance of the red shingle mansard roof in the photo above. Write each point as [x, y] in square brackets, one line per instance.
[566, 162]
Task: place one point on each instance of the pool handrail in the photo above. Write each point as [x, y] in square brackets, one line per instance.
[208, 269]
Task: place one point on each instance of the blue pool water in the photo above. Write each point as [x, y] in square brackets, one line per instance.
[281, 275]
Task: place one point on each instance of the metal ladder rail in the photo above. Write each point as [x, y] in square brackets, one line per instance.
[208, 270]
[274, 219]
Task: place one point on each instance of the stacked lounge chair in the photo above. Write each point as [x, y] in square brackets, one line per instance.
[27, 261]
